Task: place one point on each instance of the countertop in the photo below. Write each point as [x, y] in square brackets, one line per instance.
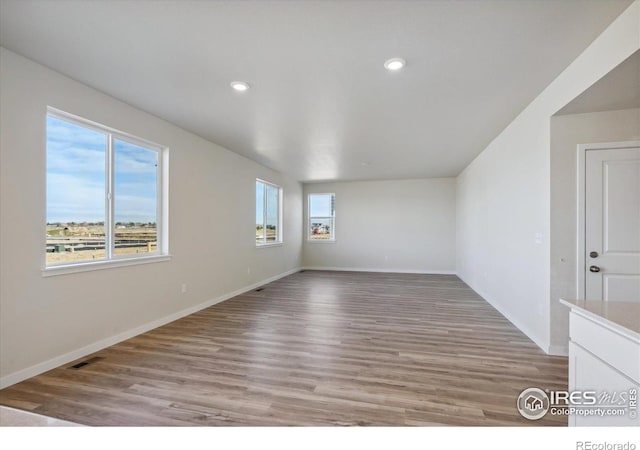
[624, 316]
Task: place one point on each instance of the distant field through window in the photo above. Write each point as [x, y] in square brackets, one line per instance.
[103, 193]
[322, 217]
[268, 213]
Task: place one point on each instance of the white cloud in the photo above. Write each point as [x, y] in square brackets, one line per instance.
[74, 198]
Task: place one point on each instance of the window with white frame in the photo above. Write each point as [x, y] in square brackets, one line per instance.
[268, 213]
[322, 217]
[104, 193]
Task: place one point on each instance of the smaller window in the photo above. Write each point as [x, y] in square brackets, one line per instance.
[322, 217]
[268, 213]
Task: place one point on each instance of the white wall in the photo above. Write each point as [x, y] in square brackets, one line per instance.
[567, 132]
[503, 215]
[45, 322]
[394, 226]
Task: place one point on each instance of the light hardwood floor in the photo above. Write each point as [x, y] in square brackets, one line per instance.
[314, 348]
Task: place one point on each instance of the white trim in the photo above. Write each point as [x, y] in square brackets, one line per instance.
[542, 343]
[162, 226]
[81, 121]
[368, 269]
[65, 269]
[581, 189]
[271, 244]
[66, 358]
[109, 237]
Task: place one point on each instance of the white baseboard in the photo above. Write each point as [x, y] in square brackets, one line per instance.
[58, 361]
[363, 269]
[542, 343]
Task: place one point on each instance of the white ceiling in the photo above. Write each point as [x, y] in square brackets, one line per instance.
[619, 89]
[321, 103]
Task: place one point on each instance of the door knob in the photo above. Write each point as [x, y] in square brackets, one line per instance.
[594, 269]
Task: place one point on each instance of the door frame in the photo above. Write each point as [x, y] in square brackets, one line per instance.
[582, 205]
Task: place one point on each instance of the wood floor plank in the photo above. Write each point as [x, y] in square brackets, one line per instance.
[316, 348]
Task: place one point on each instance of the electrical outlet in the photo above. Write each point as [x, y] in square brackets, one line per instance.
[184, 288]
[248, 270]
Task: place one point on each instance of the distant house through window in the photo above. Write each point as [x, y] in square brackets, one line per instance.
[322, 217]
[104, 192]
[268, 213]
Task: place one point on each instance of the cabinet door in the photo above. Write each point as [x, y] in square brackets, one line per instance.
[589, 373]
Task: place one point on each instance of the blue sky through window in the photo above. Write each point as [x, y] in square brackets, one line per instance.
[320, 205]
[259, 203]
[135, 183]
[272, 203]
[76, 176]
[272, 206]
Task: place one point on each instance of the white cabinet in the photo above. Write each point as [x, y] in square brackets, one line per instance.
[604, 358]
[586, 372]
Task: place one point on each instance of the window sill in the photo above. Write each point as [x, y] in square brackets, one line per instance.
[99, 265]
[321, 241]
[275, 244]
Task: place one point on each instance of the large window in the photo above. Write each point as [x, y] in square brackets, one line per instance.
[104, 193]
[322, 217]
[268, 213]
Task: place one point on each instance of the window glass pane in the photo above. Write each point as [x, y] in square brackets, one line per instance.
[259, 212]
[320, 228]
[75, 192]
[272, 213]
[321, 216]
[267, 213]
[135, 179]
[321, 205]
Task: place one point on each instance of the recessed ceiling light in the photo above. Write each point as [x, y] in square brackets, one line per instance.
[394, 64]
[240, 86]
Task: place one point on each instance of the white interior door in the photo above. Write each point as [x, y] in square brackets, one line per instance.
[612, 225]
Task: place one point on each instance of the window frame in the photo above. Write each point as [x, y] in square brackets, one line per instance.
[309, 217]
[111, 259]
[279, 228]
